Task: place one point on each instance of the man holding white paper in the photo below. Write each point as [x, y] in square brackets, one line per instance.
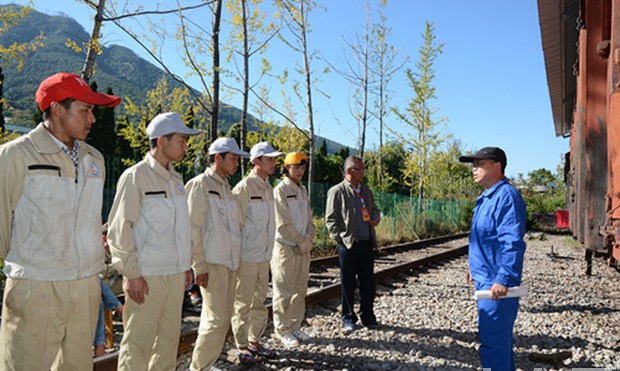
[496, 250]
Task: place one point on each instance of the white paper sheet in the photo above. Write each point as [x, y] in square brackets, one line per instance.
[513, 292]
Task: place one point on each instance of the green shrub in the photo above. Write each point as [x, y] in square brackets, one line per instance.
[323, 245]
[542, 203]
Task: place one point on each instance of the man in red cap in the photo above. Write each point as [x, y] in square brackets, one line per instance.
[51, 187]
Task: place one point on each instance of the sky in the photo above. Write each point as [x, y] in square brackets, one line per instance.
[490, 79]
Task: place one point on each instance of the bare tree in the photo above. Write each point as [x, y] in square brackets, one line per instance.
[246, 79]
[94, 47]
[384, 65]
[210, 100]
[215, 45]
[249, 25]
[296, 19]
[357, 73]
[364, 82]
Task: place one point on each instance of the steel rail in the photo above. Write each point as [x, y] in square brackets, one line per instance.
[333, 290]
[108, 362]
[333, 259]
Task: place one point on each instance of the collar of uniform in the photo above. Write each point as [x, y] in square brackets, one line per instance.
[76, 143]
[290, 182]
[213, 174]
[158, 168]
[260, 182]
[42, 140]
[86, 148]
[489, 192]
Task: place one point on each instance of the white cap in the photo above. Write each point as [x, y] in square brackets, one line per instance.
[263, 149]
[223, 145]
[168, 123]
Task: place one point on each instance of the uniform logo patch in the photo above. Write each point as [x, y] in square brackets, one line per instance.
[94, 169]
[181, 188]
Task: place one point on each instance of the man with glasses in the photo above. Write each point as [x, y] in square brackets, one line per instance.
[350, 217]
[496, 250]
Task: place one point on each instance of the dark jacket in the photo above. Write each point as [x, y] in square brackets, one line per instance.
[340, 212]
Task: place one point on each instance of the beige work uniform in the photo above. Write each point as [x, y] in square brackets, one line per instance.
[50, 237]
[290, 268]
[216, 248]
[255, 199]
[149, 236]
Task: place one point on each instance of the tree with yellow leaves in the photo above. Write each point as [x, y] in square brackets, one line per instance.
[132, 129]
[249, 36]
[10, 16]
[422, 135]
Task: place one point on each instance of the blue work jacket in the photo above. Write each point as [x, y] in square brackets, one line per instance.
[496, 245]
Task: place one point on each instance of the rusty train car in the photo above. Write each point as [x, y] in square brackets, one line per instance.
[581, 45]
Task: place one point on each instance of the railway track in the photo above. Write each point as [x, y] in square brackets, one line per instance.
[324, 278]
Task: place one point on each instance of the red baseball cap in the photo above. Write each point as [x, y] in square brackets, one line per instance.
[67, 85]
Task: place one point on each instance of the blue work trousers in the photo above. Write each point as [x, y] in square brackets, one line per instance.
[357, 262]
[496, 320]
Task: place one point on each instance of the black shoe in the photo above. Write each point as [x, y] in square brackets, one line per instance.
[371, 324]
[245, 357]
[259, 350]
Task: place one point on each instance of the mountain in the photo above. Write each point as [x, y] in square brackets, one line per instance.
[115, 67]
[118, 67]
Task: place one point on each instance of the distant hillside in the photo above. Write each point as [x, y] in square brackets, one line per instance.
[118, 67]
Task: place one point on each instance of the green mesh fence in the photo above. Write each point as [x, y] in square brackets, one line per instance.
[403, 218]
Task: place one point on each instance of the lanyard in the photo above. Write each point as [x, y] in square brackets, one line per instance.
[359, 195]
[364, 210]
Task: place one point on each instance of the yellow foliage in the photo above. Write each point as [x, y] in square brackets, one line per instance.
[237, 19]
[6, 137]
[289, 139]
[11, 16]
[253, 138]
[73, 46]
[161, 99]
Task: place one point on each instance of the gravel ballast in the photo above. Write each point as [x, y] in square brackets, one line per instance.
[429, 321]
